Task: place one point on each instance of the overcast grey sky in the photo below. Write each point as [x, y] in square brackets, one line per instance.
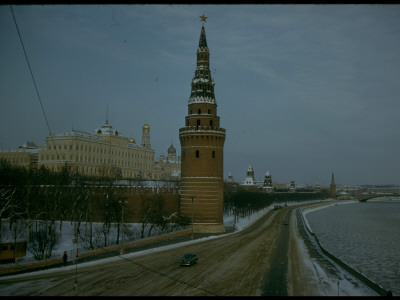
[302, 90]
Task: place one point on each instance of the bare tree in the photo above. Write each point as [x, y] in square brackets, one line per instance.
[43, 241]
[6, 203]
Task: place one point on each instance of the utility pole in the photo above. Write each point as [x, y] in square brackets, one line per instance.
[75, 240]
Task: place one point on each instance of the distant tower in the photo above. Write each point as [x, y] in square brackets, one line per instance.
[146, 136]
[292, 187]
[171, 153]
[230, 178]
[268, 182]
[249, 180]
[202, 142]
[333, 187]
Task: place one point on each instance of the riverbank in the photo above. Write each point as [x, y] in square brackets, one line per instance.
[319, 273]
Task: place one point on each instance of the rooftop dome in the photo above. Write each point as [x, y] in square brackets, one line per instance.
[106, 129]
[171, 149]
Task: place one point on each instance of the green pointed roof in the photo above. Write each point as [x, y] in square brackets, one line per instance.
[203, 40]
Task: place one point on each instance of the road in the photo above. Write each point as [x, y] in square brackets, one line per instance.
[257, 261]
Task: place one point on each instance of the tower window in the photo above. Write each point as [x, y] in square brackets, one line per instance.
[199, 111]
[198, 123]
[197, 153]
[211, 123]
[213, 154]
[191, 112]
[187, 122]
[209, 111]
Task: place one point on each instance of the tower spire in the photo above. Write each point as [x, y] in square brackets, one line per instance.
[202, 83]
[333, 187]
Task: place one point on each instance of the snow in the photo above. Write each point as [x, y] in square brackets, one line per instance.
[327, 287]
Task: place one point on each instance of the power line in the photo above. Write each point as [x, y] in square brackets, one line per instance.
[33, 78]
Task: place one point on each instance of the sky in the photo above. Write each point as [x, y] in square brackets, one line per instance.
[302, 90]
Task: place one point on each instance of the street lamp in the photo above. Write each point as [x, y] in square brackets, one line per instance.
[192, 215]
[234, 218]
[122, 202]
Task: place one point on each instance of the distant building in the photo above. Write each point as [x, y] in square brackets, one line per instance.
[169, 168]
[279, 186]
[250, 180]
[103, 152]
[25, 155]
[292, 187]
[230, 178]
[267, 185]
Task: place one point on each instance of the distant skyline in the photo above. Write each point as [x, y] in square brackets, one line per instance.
[302, 90]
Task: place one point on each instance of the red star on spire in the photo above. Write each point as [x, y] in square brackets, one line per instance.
[203, 18]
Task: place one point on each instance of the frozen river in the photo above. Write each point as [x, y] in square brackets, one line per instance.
[365, 235]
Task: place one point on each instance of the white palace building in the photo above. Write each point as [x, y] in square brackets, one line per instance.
[102, 152]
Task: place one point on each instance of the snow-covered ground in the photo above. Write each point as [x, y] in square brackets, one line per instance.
[347, 288]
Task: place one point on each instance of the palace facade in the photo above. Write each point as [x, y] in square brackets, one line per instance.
[103, 152]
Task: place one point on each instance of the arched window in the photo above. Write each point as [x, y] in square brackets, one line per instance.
[209, 111]
[197, 153]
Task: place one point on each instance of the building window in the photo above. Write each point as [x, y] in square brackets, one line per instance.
[198, 123]
[187, 122]
[211, 123]
[209, 111]
[213, 154]
[197, 153]
[199, 111]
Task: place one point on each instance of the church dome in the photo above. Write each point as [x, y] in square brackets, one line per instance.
[146, 126]
[171, 150]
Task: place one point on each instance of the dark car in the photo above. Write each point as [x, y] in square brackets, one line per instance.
[188, 259]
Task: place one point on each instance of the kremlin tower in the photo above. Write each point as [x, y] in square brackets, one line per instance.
[202, 143]
[333, 188]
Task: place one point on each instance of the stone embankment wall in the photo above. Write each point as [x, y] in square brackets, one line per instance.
[368, 282]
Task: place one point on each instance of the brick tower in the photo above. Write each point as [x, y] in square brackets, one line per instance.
[202, 144]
